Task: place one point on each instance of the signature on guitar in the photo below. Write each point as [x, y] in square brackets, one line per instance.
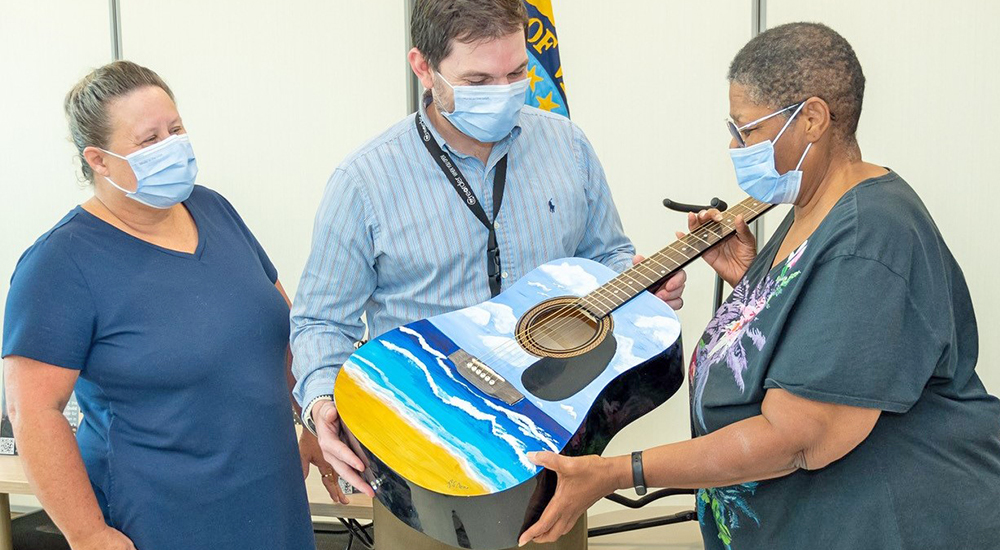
[455, 484]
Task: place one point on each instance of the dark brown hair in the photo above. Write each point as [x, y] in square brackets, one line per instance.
[435, 23]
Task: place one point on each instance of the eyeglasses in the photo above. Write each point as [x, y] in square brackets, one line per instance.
[737, 132]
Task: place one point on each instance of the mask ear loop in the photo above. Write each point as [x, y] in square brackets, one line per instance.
[108, 178]
[453, 93]
[790, 119]
[112, 154]
[119, 187]
[445, 80]
[785, 127]
[799, 165]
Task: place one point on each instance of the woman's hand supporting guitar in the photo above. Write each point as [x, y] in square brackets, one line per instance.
[733, 255]
[336, 452]
[669, 291]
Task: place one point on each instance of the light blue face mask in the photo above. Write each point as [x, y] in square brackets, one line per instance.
[164, 172]
[755, 171]
[486, 113]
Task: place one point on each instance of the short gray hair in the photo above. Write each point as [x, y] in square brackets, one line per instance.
[793, 62]
[87, 103]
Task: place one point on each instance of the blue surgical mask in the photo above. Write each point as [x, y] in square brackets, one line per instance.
[486, 113]
[164, 172]
[756, 174]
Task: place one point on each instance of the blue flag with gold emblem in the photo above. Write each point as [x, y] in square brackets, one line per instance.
[545, 90]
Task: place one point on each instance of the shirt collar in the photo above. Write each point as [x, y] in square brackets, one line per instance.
[500, 148]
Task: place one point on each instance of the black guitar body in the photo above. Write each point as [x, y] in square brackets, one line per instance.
[484, 522]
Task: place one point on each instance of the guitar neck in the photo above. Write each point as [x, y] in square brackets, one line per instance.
[654, 269]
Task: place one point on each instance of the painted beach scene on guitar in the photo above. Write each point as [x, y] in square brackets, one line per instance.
[444, 411]
[407, 401]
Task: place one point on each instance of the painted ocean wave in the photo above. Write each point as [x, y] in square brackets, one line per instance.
[493, 445]
[526, 425]
[468, 456]
[515, 443]
[409, 371]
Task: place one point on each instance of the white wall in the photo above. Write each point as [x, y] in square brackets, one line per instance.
[648, 86]
[43, 52]
[651, 95]
[276, 94]
[930, 114]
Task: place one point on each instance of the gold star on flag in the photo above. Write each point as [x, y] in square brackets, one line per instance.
[533, 78]
[546, 103]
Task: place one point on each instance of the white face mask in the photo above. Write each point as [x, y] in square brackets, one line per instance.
[486, 113]
[164, 172]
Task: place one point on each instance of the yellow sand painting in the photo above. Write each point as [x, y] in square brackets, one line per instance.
[394, 441]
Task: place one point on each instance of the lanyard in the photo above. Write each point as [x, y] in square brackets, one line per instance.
[468, 197]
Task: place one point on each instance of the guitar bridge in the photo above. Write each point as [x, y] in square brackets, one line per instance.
[488, 381]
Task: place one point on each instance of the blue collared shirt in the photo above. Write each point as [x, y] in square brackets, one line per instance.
[393, 240]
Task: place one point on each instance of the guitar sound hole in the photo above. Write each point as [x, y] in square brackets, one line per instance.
[560, 328]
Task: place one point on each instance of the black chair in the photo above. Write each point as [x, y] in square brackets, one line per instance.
[35, 531]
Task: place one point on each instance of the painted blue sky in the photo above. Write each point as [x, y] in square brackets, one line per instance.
[643, 327]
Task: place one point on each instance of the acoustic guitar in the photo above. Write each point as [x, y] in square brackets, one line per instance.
[443, 411]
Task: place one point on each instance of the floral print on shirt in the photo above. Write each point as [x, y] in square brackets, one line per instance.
[724, 342]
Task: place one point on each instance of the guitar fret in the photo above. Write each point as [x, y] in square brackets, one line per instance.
[665, 270]
[629, 272]
[628, 284]
[608, 302]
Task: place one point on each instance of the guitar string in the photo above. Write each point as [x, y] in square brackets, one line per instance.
[709, 227]
[559, 315]
[618, 283]
[558, 319]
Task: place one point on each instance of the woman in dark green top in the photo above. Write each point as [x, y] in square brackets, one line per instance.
[834, 395]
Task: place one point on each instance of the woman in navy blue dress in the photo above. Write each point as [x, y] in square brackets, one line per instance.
[158, 306]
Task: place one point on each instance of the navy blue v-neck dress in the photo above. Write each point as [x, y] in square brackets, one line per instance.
[187, 433]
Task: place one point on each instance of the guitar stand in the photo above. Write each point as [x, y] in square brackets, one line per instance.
[695, 208]
[680, 517]
[356, 530]
[353, 529]
[688, 515]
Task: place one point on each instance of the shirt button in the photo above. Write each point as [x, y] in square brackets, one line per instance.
[504, 274]
[496, 225]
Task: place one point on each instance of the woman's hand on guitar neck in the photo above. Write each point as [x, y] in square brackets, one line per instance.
[733, 255]
[336, 452]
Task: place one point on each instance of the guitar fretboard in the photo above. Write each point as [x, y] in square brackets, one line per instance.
[629, 284]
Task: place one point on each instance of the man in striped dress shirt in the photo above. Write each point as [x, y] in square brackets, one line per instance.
[393, 240]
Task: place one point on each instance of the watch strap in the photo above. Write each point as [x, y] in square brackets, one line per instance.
[638, 478]
[307, 419]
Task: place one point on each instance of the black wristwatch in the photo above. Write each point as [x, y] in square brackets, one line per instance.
[638, 479]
